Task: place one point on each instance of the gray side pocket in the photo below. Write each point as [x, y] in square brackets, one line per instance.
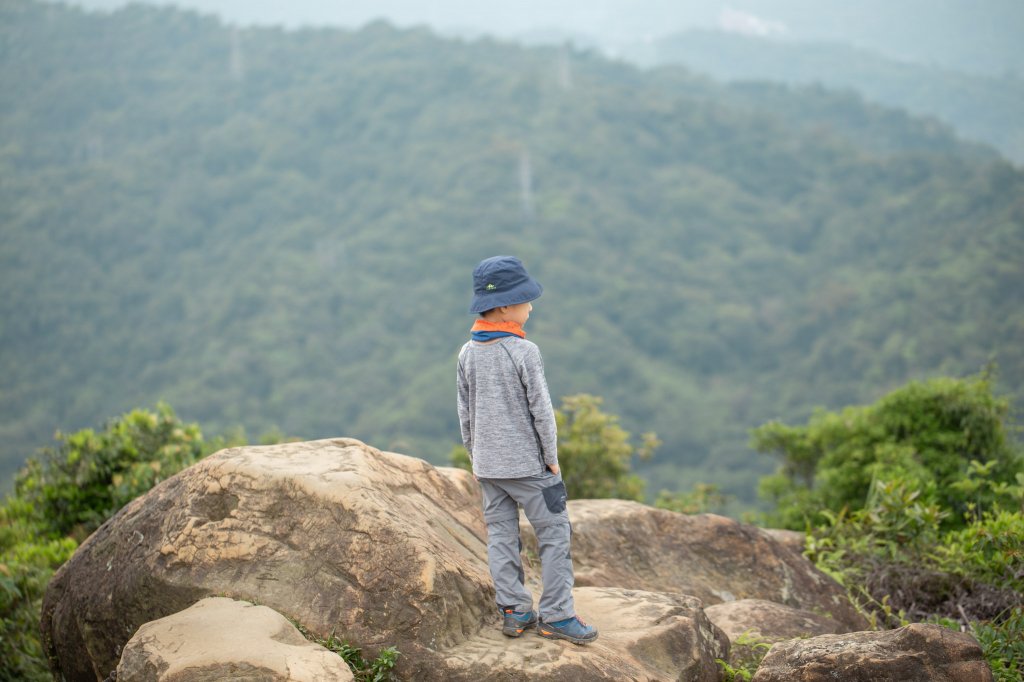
[555, 497]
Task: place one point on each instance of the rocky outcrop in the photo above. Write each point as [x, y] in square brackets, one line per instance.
[915, 653]
[218, 639]
[714, 558]
[379, 549]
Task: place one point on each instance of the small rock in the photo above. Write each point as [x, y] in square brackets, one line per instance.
[218, 639]
[916, 653]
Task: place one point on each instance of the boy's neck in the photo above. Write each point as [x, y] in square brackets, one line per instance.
[488, 330]
[496, 323]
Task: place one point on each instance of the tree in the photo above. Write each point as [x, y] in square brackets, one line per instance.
[925, 434]
[595, 453]
[89, 475]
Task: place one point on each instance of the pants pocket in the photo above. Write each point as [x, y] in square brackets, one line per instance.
[555, 497]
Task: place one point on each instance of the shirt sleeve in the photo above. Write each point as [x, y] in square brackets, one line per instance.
[539, 400]
[465, 424]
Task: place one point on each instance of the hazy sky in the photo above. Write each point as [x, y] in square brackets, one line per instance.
[971, 34]
[599, 17]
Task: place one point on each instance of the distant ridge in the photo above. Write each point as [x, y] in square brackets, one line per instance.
[989, 109]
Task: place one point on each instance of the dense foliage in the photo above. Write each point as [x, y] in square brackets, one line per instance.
[27, 561]
[82, 482]
[62, 495]
[933, 436]
[269, 227]
[916, 505]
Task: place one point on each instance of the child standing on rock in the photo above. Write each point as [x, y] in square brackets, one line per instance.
[508, 428]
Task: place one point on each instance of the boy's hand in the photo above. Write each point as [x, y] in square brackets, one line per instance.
[553, 468]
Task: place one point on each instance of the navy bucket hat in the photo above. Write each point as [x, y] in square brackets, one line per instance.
[500, 281]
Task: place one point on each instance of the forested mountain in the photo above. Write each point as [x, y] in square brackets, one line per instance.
[981, 107]
[276, 228]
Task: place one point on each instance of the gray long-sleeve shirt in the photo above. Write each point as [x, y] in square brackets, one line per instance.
[508, 423]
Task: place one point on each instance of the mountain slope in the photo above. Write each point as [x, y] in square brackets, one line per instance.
[276, 228]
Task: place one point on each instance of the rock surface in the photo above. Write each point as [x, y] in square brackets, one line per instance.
[218, 639]
[915, 653]
[644, 636]
[711, 557]
[766, 622]
[770, 621]
[379, 549]
[793, 539]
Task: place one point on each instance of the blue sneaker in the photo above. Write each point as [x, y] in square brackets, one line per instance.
[572, 629]
[517, 621]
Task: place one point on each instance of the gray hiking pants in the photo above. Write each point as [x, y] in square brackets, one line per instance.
[543, 500]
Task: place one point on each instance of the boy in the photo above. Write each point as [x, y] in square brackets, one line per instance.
[508, 428]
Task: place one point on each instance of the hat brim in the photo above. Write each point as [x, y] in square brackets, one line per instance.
[522, 293]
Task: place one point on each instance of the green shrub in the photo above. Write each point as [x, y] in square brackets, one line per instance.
[1003, 645]
[26, 565]
[991, 550]
[748, 650]
[914, 504]
[63, 494]
[969, 579]
[90, 475]
[931, 436]
[596, 451]
[378, 670]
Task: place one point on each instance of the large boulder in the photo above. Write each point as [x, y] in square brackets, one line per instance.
[220, 639]
[916, 653]
[377, 548]
[711, 557]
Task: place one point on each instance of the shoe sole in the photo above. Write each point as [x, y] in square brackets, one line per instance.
[516, 631]
[554, 634]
